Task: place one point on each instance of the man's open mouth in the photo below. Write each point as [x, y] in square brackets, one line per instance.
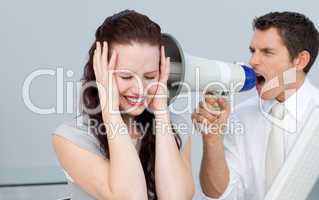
[260, 79]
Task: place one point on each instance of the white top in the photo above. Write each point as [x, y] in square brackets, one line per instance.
[245, 150]
[77, 132]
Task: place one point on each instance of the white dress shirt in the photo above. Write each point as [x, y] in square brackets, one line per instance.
[245, 143]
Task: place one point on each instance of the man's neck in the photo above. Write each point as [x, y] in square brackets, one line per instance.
[292, 88]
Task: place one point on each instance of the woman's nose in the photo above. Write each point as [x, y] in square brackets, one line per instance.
[137, 87]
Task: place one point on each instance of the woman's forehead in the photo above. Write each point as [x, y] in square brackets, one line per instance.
[137, 57]
[137, 68]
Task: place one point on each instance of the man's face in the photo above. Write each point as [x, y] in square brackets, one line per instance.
[270, 59]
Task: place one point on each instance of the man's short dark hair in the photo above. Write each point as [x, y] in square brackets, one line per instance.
[296, 30]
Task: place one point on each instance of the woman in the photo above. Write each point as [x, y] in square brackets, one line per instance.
[128, 148]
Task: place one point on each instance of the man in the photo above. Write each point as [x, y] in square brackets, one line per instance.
[243, 166]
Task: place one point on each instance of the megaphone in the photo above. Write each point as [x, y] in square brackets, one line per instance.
[195, 73]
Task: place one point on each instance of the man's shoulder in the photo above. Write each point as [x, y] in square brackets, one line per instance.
[314, 92]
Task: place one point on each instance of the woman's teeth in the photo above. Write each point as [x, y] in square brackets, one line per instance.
[135, 100]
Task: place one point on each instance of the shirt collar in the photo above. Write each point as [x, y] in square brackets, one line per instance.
[298, 102]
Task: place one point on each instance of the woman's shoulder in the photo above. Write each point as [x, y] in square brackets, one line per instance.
[77, 131]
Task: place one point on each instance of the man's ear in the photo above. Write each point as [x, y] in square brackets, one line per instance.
[301, 61]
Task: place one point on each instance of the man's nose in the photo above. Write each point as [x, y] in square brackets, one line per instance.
[254, 60]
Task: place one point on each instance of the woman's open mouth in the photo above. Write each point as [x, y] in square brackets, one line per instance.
[134, 101]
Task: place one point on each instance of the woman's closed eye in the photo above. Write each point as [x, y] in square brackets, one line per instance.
[150, 77]
[126, 77]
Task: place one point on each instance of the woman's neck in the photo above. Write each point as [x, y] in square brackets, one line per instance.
[131, 126]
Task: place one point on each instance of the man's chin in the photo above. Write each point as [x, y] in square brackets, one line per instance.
[262, 94]
[264, 97]
[269, 95]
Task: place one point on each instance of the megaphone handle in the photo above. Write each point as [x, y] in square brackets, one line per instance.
[202, 128]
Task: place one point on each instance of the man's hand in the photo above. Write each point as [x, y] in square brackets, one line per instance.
[211, 116]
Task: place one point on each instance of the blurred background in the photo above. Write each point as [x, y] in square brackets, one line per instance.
[49, 35]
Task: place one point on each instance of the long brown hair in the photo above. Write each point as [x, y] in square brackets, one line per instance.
[124, 28]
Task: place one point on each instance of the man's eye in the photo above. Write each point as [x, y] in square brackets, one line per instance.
[268, 53]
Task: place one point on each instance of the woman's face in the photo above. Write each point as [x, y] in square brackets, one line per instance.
[137, 71]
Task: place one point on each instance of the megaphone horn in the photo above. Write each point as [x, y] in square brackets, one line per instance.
[204, 74]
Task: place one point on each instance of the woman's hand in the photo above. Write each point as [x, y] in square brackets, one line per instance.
[211, 115]
[173, 177]
[159, 103]
[107, 86]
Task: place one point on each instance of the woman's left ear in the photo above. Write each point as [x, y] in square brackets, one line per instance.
[302, 60]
